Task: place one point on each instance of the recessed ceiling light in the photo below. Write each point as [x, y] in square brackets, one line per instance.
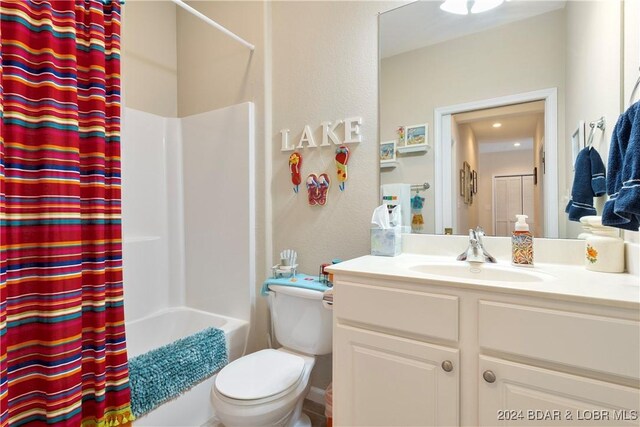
[497, 125]
[516, 144]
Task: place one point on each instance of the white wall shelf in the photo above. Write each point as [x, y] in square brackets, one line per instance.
[388, 165]
[413, 149]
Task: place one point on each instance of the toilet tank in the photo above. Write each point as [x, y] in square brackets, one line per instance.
[300, 321]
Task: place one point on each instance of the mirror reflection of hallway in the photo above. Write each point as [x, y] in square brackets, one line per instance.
[512, 195]
[505, 148]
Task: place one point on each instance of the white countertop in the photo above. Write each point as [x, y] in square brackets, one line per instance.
[567, 282]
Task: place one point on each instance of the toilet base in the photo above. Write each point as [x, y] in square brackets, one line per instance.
[303, 421]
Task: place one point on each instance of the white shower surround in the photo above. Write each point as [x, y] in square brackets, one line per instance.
[188, 232]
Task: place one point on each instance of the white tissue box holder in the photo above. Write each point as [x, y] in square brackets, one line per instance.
[386, 241]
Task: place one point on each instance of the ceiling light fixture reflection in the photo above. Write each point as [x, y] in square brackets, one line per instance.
[516, 144]
[459, 7]
[480, 6]
[497, 125]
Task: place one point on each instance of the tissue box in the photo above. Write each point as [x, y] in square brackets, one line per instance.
[386, 241]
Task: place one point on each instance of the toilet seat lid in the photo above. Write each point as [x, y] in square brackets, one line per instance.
[259, 375]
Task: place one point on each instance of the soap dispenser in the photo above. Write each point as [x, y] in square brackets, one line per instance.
[522, 243]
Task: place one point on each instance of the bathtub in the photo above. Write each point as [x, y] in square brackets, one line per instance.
[193, 407]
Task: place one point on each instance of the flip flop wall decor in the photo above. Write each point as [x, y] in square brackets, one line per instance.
[318, 189]
[295, 166]
[342, 157]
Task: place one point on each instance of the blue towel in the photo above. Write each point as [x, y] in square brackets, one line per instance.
[297, 281]
[589, 181]
[166, 372]
[622, 210]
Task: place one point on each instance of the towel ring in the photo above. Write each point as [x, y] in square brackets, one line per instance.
[599, 124]
[634, 90]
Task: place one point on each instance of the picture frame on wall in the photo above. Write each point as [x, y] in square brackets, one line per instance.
[461, 182]
[474, 180]
[387, 152]
[416, 135]
[467, 183]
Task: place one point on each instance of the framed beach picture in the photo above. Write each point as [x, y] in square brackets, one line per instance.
[416, 135]
[387, 152]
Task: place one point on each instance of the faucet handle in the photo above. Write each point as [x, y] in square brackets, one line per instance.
[480, 231]
[474, 238]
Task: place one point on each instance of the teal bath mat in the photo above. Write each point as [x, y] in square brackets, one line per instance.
[166, 372]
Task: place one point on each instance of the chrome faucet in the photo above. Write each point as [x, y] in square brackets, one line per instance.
[476, 251]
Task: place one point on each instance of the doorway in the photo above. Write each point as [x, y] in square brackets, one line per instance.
[448, 163]
[502, 143]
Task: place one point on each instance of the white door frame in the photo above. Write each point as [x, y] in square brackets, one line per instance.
[446, 194]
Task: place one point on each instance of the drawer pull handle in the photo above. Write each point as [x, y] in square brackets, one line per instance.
[447, 366]
[489, 376]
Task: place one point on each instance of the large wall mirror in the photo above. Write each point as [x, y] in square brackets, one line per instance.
[490, 109]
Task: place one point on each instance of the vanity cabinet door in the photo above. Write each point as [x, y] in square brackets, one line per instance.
[384, 380]
[516, 394]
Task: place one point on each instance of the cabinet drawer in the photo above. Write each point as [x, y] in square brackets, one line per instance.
[411, 312]
[599, 343]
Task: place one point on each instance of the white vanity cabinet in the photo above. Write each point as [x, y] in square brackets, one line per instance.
[395, 381]
[385, 367]
[582, 365]
[513, 393]
[412, 352]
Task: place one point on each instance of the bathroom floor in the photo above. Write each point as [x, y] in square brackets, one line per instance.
[315, 411]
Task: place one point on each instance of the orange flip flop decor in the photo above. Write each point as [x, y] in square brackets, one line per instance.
[295, 165]
[342, 157]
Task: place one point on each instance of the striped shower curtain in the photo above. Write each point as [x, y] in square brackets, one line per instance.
[63, 357]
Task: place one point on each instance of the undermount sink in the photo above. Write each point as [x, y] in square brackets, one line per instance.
[485, 272]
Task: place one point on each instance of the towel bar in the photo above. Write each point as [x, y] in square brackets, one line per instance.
[599, 124]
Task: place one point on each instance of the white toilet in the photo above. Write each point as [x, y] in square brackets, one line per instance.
[267, 388]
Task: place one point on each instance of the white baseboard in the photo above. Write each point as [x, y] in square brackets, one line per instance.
[316, 394]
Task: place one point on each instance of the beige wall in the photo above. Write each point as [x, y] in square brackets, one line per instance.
[325, 67]
[527, 55]
[593, 69]
[215, 71]
[149, 57]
